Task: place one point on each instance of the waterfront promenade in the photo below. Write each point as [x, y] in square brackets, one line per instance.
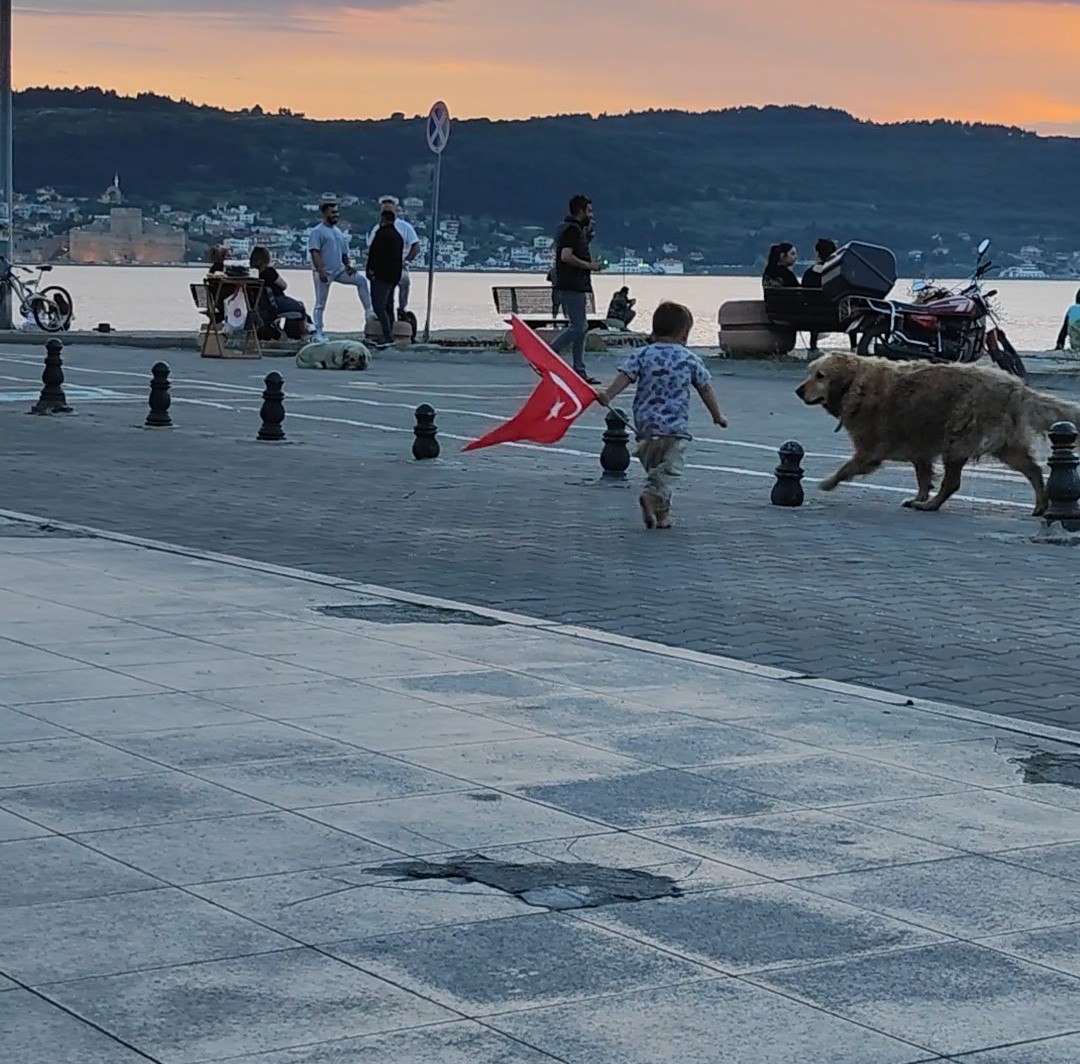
[960, 606]
[215, 774]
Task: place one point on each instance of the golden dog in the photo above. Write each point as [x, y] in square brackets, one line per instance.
[919, 411]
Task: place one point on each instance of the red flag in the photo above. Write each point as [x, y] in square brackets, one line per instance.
[559, 400]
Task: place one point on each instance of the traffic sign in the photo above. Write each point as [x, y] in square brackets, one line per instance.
[438, 127]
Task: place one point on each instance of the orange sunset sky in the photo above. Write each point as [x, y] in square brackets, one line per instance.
[1012, 61]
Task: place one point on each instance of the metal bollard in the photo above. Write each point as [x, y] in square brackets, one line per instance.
[1063, 484]
[160, 399]
[788, 489]
[426, 442]
[52, 399]
[272, 411]
[615, 455]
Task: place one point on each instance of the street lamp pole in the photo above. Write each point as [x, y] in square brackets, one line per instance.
[7, 235]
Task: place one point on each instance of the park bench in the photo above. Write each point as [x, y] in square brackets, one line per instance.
[532, 303]
[802, 309]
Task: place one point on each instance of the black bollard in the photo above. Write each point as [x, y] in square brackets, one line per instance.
[788, 489]
[160, 399]
[426, 443]
[1063, 484]
[272, 411]
[615, 455]
[52, 399]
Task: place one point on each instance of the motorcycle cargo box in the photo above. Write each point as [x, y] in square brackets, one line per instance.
[859, 270]
[745, 329]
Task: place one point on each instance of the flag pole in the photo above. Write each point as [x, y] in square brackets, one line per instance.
[433, 240]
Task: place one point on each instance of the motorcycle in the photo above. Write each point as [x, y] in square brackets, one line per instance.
[941, 325]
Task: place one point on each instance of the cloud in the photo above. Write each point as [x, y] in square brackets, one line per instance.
[172, 8]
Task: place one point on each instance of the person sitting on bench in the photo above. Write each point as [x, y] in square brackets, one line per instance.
[778, 272]
[621, 308]
[274, 304]
[824, 250]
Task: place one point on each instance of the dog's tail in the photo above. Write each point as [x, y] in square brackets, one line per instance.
[1044, 409]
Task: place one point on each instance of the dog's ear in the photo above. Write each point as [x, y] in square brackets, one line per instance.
[839, 383]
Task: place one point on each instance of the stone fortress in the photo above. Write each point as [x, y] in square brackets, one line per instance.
[126, 236]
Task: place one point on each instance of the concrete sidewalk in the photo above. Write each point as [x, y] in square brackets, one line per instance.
[213, 773]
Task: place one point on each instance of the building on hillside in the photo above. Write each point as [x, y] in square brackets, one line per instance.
[125, 236]
[112, 195]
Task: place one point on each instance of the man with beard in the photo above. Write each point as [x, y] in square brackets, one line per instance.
[328, 247]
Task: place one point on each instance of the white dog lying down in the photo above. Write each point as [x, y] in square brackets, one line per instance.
[334, 354]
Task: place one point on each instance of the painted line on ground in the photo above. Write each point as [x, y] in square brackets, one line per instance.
[798, 680]
[554, 449]
[1000, 474]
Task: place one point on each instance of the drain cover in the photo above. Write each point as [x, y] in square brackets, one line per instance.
[552, 885]
[386, 612]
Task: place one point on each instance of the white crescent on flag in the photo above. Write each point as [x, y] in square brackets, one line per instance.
[564, 387]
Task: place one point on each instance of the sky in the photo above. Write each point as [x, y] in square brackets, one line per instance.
[1010, 61]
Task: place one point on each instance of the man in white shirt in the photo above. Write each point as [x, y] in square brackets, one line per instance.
[412, 248]
[328, 247]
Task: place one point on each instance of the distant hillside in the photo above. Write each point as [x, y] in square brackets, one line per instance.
[726, 183]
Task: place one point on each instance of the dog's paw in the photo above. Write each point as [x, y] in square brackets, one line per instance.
[925, 505]
[1040, 511]
[909, 504]
[828, 484]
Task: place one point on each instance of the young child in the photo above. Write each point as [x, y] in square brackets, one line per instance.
[664, 373]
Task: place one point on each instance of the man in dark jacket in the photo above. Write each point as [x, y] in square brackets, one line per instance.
[574, 267]
[385, 255]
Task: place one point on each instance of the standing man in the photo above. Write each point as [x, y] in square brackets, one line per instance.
[329, 250]
[411, 243]
[384, 270]
[574, 267]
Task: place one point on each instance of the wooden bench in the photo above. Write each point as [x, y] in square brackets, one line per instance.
[532, 303]
[802, 309]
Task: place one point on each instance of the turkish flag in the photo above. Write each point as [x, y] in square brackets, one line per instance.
[559, 400]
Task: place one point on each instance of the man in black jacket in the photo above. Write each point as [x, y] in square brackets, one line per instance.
[385, 254]
[574, 267]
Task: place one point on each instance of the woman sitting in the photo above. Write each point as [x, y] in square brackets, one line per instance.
[274, 304]
[824, 250]
[778, 272]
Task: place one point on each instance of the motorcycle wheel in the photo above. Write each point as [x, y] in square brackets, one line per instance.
[869, 337]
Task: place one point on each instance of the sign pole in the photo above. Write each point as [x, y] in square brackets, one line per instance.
[7, 235]
[438, 133]
[433, 241]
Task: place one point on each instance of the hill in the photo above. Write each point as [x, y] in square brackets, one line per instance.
[726, 183]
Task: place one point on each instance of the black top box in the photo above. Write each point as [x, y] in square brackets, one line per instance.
[859, 270]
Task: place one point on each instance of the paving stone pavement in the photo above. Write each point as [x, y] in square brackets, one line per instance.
[207, 785]
[960, 606]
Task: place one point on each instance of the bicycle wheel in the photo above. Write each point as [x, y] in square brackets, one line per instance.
[61, 299]
[46, 314]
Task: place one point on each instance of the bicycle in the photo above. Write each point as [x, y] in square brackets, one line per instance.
[50, 307]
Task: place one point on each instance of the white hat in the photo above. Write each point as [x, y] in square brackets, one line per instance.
[328, 199]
